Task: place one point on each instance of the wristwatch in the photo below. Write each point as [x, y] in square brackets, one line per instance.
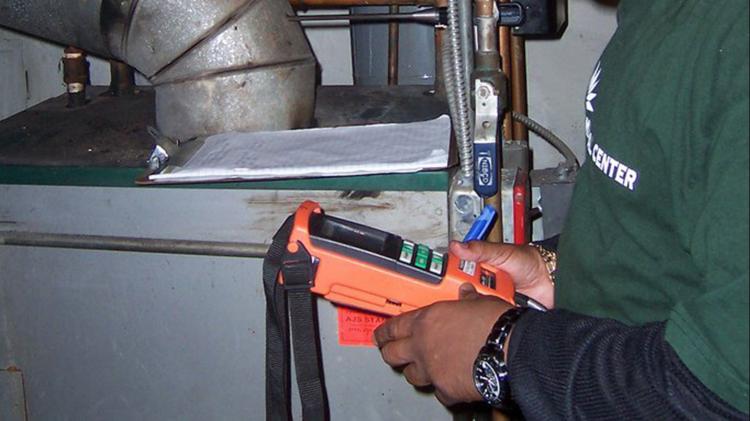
[490, 367]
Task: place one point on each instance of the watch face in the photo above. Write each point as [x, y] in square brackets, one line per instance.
[487, 380]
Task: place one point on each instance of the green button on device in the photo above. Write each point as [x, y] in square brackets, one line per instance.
[437, 263]
[423, 256]
[407, 252]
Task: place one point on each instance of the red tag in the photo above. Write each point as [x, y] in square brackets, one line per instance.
[356, 326]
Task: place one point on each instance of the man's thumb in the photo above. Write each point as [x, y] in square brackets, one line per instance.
[467, 251]
[467, 292]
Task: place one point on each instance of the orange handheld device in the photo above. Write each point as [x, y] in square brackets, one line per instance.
[369, 269]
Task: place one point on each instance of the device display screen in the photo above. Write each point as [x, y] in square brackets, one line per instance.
[355, 235]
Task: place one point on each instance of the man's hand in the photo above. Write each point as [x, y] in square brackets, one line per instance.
[437, 345]
[524, 264]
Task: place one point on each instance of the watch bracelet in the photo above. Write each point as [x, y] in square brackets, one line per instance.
[495, 344]
[550, 260]
[501, 328]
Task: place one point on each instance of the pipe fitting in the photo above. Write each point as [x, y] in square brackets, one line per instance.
[75, 76]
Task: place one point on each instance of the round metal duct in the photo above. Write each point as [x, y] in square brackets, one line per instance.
[216, 65]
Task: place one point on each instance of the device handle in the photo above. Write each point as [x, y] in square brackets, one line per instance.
[503, 293]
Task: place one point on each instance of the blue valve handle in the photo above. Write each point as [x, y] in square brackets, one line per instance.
[485, 169]
[481, 226]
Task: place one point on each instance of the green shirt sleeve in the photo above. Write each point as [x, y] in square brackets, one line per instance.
[709, 331]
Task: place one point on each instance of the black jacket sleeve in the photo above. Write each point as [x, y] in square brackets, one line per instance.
[567, 366]
[549, 243]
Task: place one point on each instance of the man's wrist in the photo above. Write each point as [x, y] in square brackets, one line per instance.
[490, 366]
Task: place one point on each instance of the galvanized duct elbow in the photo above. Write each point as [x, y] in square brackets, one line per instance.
[217, 65]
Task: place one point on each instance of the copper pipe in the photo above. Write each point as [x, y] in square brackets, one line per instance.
[393, 37]
[487, 57]
[439, 81]
[303, 4]
[122, 81]
[496, 235]
[518, 96]
[505, 63]
[75, 76]
[484, 7]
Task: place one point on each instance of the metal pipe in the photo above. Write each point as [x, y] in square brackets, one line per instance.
[518, 86]
[75, 76]
[393, 37]
[488, 59]
[122, 79]
[304, 4]
[505, 64]
[432, 16]
[217, 65]
[456, 86]
[487, 56]
[439, 60]
[132, 244]
[466, 28]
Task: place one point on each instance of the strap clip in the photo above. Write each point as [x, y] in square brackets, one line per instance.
[298, 269]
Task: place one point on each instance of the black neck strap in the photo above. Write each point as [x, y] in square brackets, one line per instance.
[293, 297]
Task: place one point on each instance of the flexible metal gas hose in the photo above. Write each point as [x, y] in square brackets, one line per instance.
[456, 87]
[549, 136]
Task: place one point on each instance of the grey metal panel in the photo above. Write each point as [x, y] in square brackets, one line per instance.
[416, 65]
[115, 336]
[12, 404]
[14, 78]
[108, 335]
[370, 49]
[207, 214]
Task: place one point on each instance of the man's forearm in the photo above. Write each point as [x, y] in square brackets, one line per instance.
[567, 366]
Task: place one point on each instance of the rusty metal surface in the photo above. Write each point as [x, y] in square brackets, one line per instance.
[111, 131]
[122, 78]
[349, 105]
[12, 395]
[108, 131]
[518, 85]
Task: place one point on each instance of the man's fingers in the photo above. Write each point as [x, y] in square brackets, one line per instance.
[416, 376]
[395, 328]
[397, 353]
[444, 399]
[482, 252]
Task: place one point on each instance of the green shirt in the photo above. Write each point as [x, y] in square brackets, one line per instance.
[658, 229]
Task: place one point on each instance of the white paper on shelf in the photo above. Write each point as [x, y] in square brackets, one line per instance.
[323, 152]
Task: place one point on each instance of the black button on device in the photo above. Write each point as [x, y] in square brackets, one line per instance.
[487, 279]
